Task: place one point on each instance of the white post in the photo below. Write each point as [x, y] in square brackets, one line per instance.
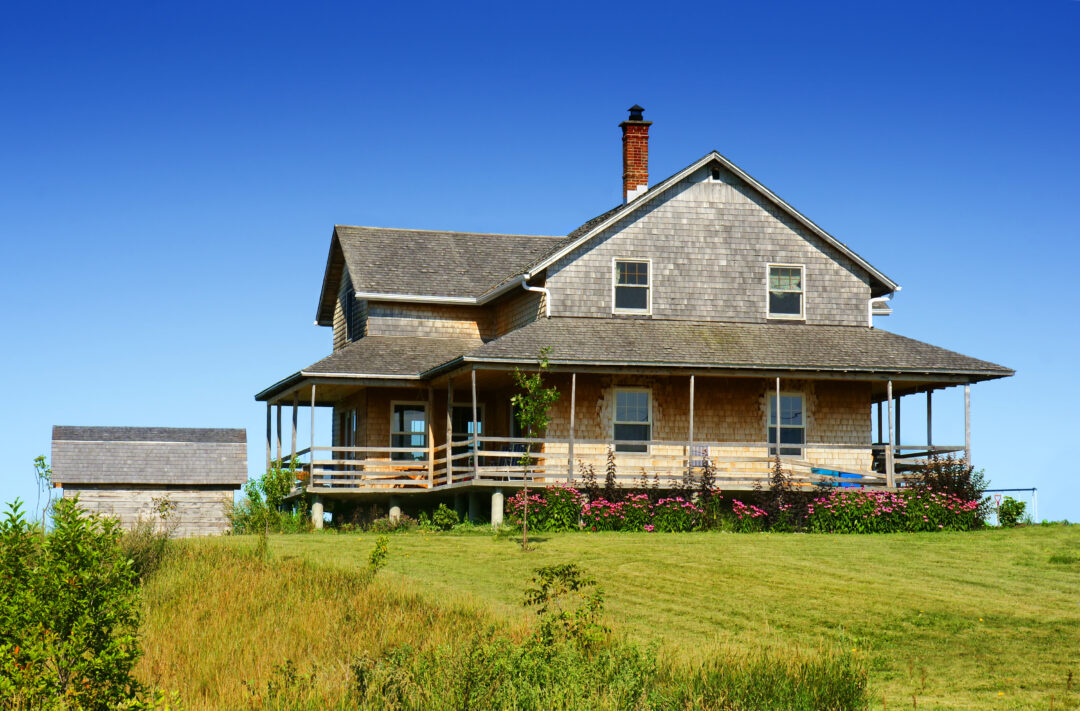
[930, 419]
[967, 425]
[497, 507]
[295, 408]
[890, 471]
[778, 416]
[395, 508]
[311, 446]
[317, 512]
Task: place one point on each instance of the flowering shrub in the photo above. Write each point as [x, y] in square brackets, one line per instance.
[861, 511]
[554, 509]
[747, 517]
[676, 515]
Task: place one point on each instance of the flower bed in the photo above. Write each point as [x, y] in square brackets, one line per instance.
[564, 508]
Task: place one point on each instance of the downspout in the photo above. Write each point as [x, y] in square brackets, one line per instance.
[538, 289]
[878, 303]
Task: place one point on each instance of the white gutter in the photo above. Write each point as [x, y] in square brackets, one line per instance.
[538, 289]
[878, 306]
[436, 299]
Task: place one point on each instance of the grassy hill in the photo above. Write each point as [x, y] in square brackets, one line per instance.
[949, 620]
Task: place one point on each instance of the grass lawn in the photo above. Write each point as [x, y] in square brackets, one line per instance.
[957, 620]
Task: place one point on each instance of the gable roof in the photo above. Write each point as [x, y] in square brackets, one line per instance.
[880, 284]
[429, 265]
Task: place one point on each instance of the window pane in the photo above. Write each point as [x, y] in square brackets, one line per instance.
[631, 406]
[785, 278]
[632, 297]
[791, 410]
[632, 273]
[786, 303]
[632, 432]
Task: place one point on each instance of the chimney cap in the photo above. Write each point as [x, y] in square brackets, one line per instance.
[635, 113]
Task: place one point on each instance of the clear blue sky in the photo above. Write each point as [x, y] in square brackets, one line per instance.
[170, 174]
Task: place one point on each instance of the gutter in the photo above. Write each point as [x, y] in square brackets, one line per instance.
[436, 299]
[539, 290]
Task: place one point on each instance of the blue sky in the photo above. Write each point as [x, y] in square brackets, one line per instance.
[171, 173]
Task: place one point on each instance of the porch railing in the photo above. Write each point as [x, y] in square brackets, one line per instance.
[494, 461]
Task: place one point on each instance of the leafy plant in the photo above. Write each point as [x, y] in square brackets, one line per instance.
[444, 518]
[954, 477]
[532, 404]
[569, 603]
[556, 508]
[263, 508]
[401, 524]
[68, 613]
[1010, 512]
[43, 477]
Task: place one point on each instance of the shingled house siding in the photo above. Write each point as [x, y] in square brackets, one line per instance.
[725, 410]
[429, 320]
[199, 512]
[710, 242]
[516, 311]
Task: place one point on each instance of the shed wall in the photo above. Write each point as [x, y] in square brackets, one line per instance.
[199, 512]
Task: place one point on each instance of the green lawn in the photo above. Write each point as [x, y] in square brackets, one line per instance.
[959, 620]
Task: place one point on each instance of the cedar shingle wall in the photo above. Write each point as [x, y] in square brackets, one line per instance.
[429, 320]
[199, 512]
[519, 310]
[709, 243]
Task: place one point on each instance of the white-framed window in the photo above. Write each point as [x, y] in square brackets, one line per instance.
[631, 283]
[786, 291]
[633, 419]
[408, 428]
[792, 424]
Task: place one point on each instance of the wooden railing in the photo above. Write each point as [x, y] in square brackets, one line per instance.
[494, 461]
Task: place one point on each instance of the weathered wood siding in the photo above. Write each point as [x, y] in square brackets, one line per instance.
[710, 243]
[355, 326]
[519, 309]
[387, 318]
[199, 512]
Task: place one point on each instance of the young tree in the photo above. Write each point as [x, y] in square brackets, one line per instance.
[43, 476]
[532, 404]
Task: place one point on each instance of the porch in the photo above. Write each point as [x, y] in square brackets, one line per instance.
[457, 432]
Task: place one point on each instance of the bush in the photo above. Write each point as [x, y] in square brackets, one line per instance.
[444, 518]
[863, 511]
[401, 524]
[556, 508]
[1010, 512]
[954, 477]
[675, 515]
[68, 613]
[747, 517]
[263, 507]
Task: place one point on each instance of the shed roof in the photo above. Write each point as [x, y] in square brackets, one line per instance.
[149, 456]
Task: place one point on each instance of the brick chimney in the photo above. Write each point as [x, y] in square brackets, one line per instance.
[635, 154]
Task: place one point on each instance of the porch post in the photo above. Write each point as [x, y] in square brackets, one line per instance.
[570, 441]
[295, 408]
[967, 424]
[311, 447]
[475, 432]
[269, 456]
[449, 430]
[690, 434]
[394, 512]
[778, 416]
[930, 419]
[890, 472]
[431, 437]
[317, 512]
[278, 437]
[898, 445]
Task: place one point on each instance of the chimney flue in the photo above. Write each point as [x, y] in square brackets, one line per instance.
[635, 154]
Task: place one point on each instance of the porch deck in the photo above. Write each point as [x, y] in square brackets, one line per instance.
[488, 461]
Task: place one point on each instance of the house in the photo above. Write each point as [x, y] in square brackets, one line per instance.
[134, 473]
[703, 317]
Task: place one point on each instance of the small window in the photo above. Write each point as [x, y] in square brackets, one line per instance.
[715, 173]
[633, 420]
[631, 287]
[785, 291]
[792, 425]
[408, 428]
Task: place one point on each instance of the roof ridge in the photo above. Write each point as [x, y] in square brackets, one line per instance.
[449, 232]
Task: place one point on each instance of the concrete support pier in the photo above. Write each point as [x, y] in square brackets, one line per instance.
[497, 507]
[317, 512]
[395, 508]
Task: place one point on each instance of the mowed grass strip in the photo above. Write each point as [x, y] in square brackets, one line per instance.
[957, 620]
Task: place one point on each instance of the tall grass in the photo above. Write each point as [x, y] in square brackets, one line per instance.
[230, 629]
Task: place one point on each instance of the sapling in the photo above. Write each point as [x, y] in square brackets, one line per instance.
[531, 404]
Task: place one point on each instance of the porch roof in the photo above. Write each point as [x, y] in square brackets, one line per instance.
[734, 346]
[379, 358]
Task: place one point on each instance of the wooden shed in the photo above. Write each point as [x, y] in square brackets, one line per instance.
[126, 471]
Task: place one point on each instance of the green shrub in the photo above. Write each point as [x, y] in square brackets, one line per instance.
[1010, 512]
[954, 477]
[263, 508]
[68, 613]
[444, 518]
[556, 508]
[401, 524]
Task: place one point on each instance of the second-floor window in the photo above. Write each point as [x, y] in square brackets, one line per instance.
[785, 291]
[631, 286]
